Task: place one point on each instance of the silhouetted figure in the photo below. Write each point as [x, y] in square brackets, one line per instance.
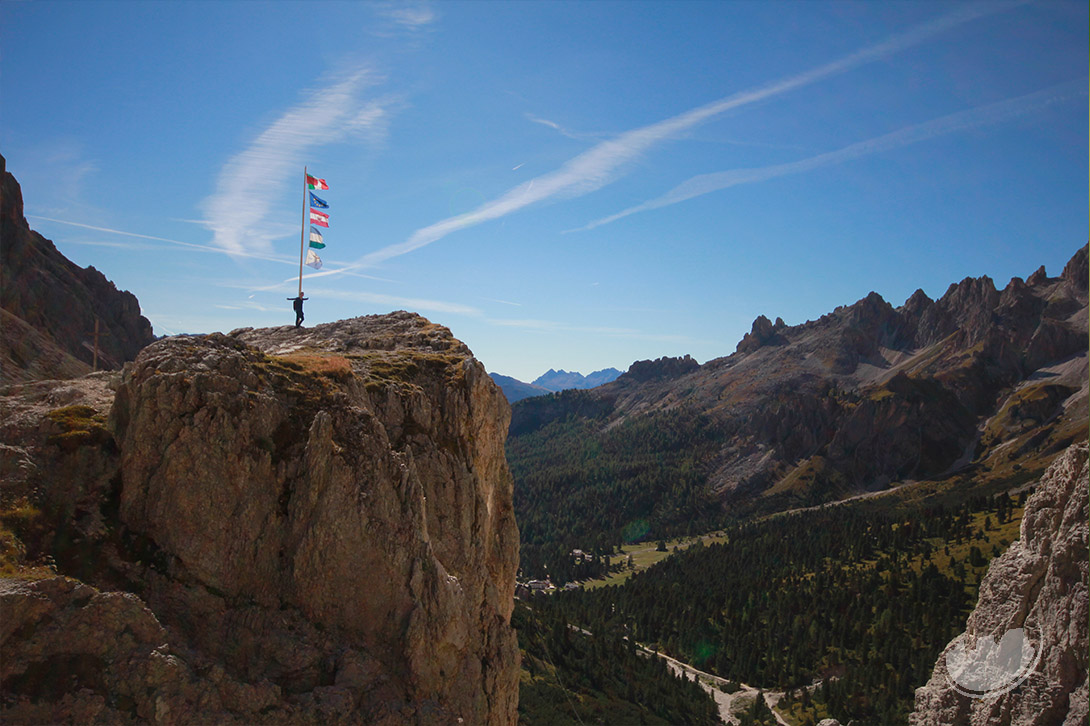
[297, 304]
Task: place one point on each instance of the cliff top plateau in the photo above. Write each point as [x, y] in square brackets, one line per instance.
[272, 526]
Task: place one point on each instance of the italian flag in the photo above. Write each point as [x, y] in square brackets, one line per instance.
[319, 218]
[315, 183]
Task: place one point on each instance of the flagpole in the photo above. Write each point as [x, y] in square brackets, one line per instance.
[303, 233]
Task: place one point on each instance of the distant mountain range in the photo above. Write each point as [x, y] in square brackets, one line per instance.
[552, 381]
[981, 388]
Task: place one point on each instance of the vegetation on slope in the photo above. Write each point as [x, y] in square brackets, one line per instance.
[569, 676]
[861, 600]
[580, 486]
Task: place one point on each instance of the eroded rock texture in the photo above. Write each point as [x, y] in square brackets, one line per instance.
[313, 525]
[1039, 585]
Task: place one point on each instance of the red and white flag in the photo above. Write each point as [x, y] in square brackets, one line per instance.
[319, 218]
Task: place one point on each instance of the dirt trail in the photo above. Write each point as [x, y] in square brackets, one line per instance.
[710, 683]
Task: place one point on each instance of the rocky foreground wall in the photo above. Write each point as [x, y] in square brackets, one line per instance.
[1038, 586]
[302, 525]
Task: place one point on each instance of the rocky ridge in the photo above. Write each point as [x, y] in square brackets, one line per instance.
[50, 305]
[270, 526]
[1039, 585]
[982, 381]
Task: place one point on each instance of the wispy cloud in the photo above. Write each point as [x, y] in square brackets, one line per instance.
[606, 331]
[604, 162]
[963, 120]
[400, 18]
[250, 182]
[406, 303]
[178, 243]
[558, 128]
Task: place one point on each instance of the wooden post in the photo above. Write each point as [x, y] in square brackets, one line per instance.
[94, 366]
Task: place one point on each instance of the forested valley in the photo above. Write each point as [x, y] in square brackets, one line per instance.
[856, 599]
[574, 676]
[579, 488]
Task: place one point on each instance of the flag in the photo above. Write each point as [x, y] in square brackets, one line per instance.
[314, 183]
[319, 218]
[316, 239]
[318, 202]
[313, 260]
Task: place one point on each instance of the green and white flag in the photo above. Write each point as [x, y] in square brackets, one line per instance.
[316, 239]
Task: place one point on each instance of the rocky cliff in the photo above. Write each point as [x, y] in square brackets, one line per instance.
[1040, 586]
[41, 290]
[275, 525]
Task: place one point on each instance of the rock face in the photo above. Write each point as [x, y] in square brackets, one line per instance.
[59, 301]
[664, 368]
[310, 525]
[1039, 585]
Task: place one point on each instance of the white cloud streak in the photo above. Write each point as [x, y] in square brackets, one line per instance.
[178, 243]
[963, 120]
[405, 303]
[602, 163]
[250, 182]
[551, 326]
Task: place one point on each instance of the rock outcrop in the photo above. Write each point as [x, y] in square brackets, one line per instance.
[293, 525]
[59, 301]
[660, 369]
[1038, 585]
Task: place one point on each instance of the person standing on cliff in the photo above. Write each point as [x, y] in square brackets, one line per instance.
[297, 304]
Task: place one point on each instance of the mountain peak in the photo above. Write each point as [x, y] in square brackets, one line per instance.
[560, 380]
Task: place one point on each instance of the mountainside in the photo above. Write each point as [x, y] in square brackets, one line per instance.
[983, 383]
[42, 290]
[516, 390]
[562, 380]
[1039, 586]
[271, 526]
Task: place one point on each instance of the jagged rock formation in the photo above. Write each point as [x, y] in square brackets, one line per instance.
[42, 290]
[985, 384]
[764, 332]
[1039, 585]
[660, 369]
[272, 526]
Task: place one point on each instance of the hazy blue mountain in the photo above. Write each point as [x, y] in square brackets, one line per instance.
[562, 380]
[516, 390]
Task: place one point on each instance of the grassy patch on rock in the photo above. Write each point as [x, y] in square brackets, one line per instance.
[78, 426]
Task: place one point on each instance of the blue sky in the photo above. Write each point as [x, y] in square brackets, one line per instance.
[564, 184]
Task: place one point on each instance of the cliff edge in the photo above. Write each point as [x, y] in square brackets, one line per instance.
[1038, 585]
[274, 526]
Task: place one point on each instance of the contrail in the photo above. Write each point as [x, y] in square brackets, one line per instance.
[601, 164]
[970, 118]
[189, 245]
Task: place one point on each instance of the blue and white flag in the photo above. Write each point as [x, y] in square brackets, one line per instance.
[316, 201]
[313, 260]
[316, 238]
